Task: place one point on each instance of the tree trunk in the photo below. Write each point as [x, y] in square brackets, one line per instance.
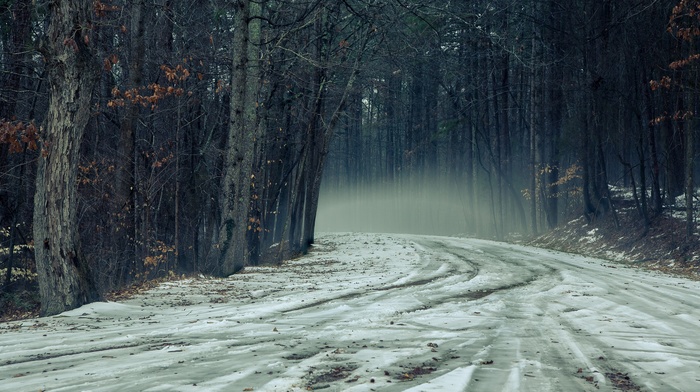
[673, 142]
[534, 142]
[65, 280]
[126, 149]
[657, 202]
[232, 249]
[689, 167]
[255, 130]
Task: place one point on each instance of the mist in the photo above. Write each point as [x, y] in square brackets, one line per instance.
[409, 206]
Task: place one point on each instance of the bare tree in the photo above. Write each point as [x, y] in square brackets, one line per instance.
[232, 248]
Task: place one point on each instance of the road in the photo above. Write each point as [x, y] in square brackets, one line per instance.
[366, 312]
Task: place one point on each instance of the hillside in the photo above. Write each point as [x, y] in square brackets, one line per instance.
[662, 248]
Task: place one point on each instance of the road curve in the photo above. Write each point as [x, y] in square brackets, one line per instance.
[371, 312]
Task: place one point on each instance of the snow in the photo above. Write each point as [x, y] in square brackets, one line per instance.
[370, 312]
[456, 380]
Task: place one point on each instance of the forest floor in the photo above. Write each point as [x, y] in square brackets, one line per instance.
[662, 247]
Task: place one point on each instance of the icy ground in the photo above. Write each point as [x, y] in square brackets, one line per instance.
[370, 312]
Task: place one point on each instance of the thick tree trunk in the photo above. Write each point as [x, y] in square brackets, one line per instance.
[65, 280]
[232, 249]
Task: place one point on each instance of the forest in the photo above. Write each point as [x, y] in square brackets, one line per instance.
[146, 139]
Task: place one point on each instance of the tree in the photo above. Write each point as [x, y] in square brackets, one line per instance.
[17, 130]
[126, 171]
[65, 278]
[232, 248]
[684, 25]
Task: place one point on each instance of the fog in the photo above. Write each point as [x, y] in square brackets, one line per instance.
[414, 207]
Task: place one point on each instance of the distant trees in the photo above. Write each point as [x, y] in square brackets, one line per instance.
[684, 25]
[18, 135]
[535, 107]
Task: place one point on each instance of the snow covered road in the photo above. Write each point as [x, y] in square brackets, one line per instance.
[368, 312]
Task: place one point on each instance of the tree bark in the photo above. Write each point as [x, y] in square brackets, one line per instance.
[65, 279]
[232, 249]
